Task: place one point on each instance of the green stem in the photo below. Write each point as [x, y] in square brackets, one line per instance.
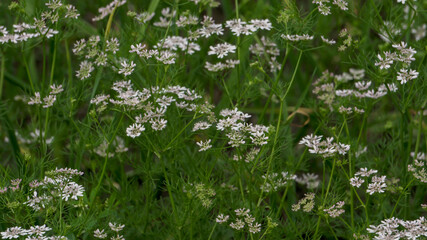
[104, 166]
[2, 69]
[213, 229]
[400, 196]
[180, 132]
[92, 198]
[326, 195]
[273, 149]
[293, 75]
[332, 230]
[69, 68]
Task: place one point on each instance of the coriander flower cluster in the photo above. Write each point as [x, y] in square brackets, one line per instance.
[154, 102]
[377, 184]
[49, 99]
[23, 32]
[274, 181]
[418, 167]
[325, 148]
[202, 192]
[306, 203]
[141, 18]
[296, 38]
[242, 219]
[249, 156]
[327, 91]
[150, 105]
[335, 210]
[324, 6]
[395, 228]
[34, 232]
[14, 186]
[58, 185]
[268, 49]
[115, 229]
[391, 29]
[238, 28]
[107, 10]
[404, 55]
[232, 123]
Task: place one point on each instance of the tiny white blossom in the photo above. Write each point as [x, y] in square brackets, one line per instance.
[116, 227]
[204, 145]
[222, 49]
[127, 68]
[221, 218]
[134, 130]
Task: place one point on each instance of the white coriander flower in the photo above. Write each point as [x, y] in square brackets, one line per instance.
[221, 218]
[134, 130]
[116, 227]
[242, 211]
[239, 224]
[404, 75]
[254, 228]
[73, 191]
[364, 172]
[158, 124]
[327, 41]
[56, 89]
[378, 185]
[49, 100]
[112, 45]
[85, 70]
[239, 27]
[263, 24]
[36, 99]
[99, 234]
[101, 59]
[38, 230]
[204, 145]
[222, 49]
[72, 12]
[383, 63]
[127, 68]
[201, 126]
[13, 232]
[356, 182]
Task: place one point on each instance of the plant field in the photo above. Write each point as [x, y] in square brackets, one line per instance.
[210, 119]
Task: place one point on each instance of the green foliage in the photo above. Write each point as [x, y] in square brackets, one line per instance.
[175, 141]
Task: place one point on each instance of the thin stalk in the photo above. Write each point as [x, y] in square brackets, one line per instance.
[180, 132]
[213, 229]
[326, 196]
[273, 149]
[28, 73]
[275, 83]
[170, 194]
[2, 69]
[332, 230]
[104, 166]
[69, 68]
[107, 33]
[44, 67]
[293, 75]
[92, 200]
[228, 93]
[400, 196]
